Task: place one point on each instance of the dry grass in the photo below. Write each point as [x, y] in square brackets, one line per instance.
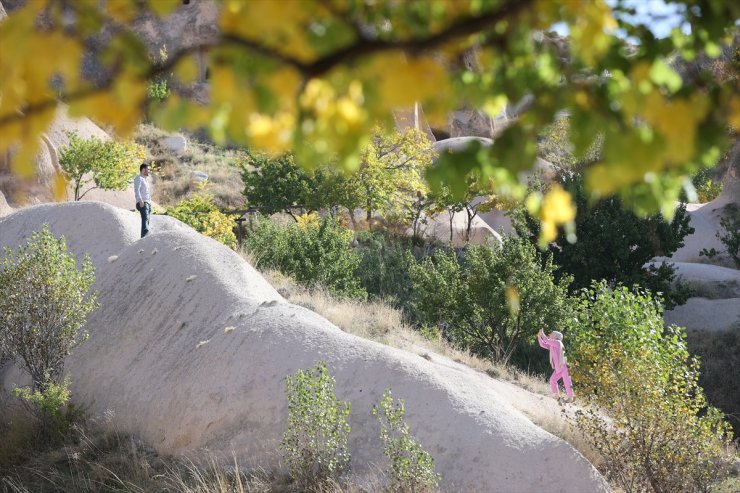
[380, 322]
[94, 459]
[172, 173]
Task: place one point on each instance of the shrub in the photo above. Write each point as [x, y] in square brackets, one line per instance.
[200, 212]
[315, 442]
[707, 189]
[384, 269]
[645, 412]
[730, 223]
[411, 467]
[613, 243]
[109, 165]
[44, 301]
[314, 253]
[490, 299]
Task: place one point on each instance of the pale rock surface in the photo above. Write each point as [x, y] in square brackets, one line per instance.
[161, 362]
[5, 209]
[177, 144]
[708, 281]
[198, 176]
[438, 227]
[706, 314]
[705, 219]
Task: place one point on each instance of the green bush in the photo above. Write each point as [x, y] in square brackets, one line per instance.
[706, 188]
[315, 441]
[200, 212]
[490, 299]
[384, 269]
[314, 253]
[411, 468]
[44, 301]
[644, 410]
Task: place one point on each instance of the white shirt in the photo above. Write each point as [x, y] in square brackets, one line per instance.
[142, 189]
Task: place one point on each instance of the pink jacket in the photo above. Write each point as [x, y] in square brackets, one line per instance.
[557, 351]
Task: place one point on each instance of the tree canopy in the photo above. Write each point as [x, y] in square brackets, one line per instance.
[316, 76]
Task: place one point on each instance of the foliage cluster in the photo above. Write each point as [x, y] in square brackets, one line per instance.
[315, 446]
[44, 302]
[389, 179]
[200, 212]
[645, 412]
[110, 165]
[384, 271]
[490, 299]
[315, 254]
[707, 188]
[320, 79]
[315, 441]
[411, 468]
[730, 237]
[613, 243]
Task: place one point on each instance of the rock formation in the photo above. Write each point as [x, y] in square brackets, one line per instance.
[190, 347]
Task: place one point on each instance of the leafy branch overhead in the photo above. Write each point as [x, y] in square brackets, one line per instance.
[316, 76]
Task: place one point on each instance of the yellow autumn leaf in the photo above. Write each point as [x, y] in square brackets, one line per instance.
[187, 69]
[164, 7]
[120, 106]
[278, 24]
[591, 27]
[272, 134]
[734, 118]
[557, 206]
[402, 80]
[122, 10]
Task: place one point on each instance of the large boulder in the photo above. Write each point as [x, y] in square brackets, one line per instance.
[190, 347]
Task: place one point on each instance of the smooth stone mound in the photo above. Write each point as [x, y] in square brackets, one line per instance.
[706, 314]
[200, 364]
[708, 281]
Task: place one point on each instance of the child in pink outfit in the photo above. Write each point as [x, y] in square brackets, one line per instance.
[554, 342]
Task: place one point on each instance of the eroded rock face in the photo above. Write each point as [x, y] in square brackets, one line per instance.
[190, 347]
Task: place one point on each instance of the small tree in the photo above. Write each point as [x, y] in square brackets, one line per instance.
[411, 467]
[44, 301]
[277, 184]
[391, 173]
[200, 212]
[315, 442]
[490, 299]
[645, 412]
[109, 165]
[314, 253]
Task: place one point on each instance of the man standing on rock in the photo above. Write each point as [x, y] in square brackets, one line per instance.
[142, 191]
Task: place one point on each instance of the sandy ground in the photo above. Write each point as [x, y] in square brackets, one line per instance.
[190, 348]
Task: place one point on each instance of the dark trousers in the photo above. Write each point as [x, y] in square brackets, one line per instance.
[145, 213]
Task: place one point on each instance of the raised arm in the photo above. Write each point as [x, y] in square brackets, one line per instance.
[545, 343]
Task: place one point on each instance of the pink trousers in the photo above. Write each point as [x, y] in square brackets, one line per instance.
[557, 375]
